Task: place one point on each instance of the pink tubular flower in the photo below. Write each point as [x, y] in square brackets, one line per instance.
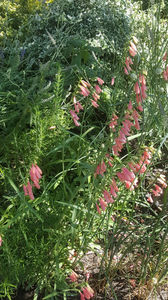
[98, 89]
[100, 81]
[128, 61]
[115, 185]
[82, 297]
[25, 190]
[158, 191]
[76, 108]
[103, 204]
[94, 103]
[74, 115]
[143, 91]
[76, 122]
[112, 191]
[132, 51]
[79, 105]
[133, 46]
[112, 81]
[165, 56]
[85, 83]
[126, 71]
[88, 292]
[35, 174]
[98, 209]
[84, 91]
[101, 168]
[107, 197]
[140, 108]
[165, 74]
[29, 188]
[95, 96]
[73, 277]
[126, 175]
[137, 88]
[149, 199]
[1, 240]
[109, 159]
[113, 122]
[130, 105]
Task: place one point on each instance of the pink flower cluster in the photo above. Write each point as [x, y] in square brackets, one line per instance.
[165, 73]
[1, 241]
[73, 276]
[128, 61]
[125, 129]
[140, 91]
[87, 292]
[132, 49]
[35, 175]
[128, 177]
[84, 91]
[157, 191]
[108, 196]
[113, 122]
[101, 169]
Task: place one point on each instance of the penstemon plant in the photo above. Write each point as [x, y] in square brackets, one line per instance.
[81, 176]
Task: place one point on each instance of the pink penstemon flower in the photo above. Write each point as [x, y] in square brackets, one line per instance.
[112, 81]
[165, 73]
[98, 209]
[101, 168]
[133, 46]
[108, 197]
[94, 103]
[74, 115]
[149, 198]
[85, 83]
[25, 190]
[95, 96]
[103, 204]
[88, 292]
[98, 89]
[112, 191]
[73, 276]
[82, 297]
[137, 88]
[110, 159]
[158, 191]
[114, 185]
[76, 122]
[30, 192]
[100, 81]
[113, 122]
[128, 61]
[1, 240]
[130, 105]
[126, 71]
[165, 56]
[132, 51]
[84, 91]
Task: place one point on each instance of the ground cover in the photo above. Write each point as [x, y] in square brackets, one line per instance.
[83, 157]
